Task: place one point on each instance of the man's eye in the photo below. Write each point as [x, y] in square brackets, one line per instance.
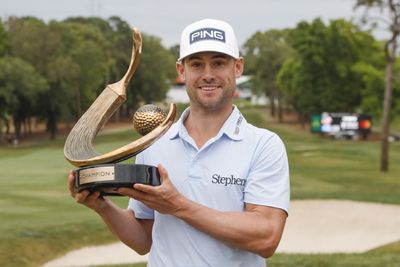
[195, 65]
[219, 63]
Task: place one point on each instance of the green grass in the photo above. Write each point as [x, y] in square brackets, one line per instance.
[387, 256]
[324, 168]
[335, 260]
[39, 220]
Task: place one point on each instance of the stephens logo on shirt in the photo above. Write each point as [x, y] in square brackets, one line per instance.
[230, 180]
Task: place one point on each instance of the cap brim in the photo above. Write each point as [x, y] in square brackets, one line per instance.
[213, 50]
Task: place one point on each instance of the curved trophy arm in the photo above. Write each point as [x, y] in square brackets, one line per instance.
[132, 148]
[79, 149]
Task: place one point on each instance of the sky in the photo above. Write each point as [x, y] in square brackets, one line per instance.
[166, 19]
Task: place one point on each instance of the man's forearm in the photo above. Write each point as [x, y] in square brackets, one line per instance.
[133, 232]
[258, 229]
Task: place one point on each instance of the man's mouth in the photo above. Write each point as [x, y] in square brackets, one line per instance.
[208, 87]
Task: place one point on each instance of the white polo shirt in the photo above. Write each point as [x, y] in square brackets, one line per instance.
[242, 164]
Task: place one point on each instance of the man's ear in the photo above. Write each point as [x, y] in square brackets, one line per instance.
[180, 69]
[239, 67]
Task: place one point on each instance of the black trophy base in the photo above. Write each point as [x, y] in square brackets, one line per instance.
[107, 178]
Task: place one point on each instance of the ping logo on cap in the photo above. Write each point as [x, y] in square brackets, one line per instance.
[207, 34]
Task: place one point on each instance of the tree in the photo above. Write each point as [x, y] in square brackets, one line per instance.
[34, 42]
[372, 80]
[78, 74]
[154, 74]
[78, 57]
[31, 40]
[56, 104]
[265, 55]
[175, 50]
[322, 74]
[20, 87]
[3, 39]
[287, 79]
[393, 24]
[4, 123]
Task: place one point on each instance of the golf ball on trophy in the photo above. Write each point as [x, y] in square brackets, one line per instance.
[147, 118]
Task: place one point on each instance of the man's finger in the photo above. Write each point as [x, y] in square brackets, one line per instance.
[163, 173]
[71, 180]
[93, 196]
[131, 192]
[144, 188]
[81, 196]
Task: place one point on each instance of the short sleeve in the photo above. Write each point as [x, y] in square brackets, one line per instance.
[268, 181]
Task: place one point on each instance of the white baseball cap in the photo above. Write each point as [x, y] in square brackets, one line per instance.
[208, 35]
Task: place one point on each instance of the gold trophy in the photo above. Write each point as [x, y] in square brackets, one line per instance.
[100, 172]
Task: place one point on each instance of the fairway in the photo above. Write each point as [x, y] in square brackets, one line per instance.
[39, 220]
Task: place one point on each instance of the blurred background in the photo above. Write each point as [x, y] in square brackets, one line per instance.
[324, 75]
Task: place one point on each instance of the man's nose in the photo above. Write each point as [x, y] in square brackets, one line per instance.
[208, 73]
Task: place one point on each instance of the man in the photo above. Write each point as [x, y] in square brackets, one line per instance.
[224, 195]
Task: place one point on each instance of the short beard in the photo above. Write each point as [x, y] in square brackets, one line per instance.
[227, 95]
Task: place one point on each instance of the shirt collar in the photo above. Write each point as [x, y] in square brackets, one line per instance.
[234, 125]
[179, 127]
[232, 128]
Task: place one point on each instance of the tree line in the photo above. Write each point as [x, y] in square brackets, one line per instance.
[335, 66]
[318, 67]
[53, 71]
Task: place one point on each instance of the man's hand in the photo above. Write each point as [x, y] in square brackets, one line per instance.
[122, 222]
[93, 201]
[257, 229]
[163, 198]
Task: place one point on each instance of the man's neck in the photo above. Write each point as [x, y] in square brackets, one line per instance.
[203, 125]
